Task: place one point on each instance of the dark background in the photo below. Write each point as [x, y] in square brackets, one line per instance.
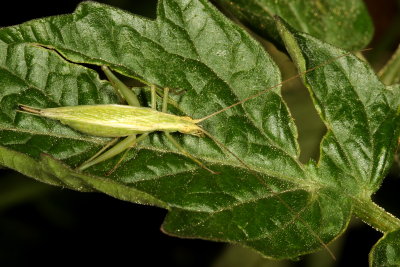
[43, 225]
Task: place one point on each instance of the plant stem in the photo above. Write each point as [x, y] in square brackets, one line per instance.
[390, 73]
[376, 216]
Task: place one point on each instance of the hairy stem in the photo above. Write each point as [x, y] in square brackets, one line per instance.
[376, 216]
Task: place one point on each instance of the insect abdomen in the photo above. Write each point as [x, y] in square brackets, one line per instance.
[116, 120]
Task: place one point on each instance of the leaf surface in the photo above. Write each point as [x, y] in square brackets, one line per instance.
[345, 24]
[360, 113]
[386, 253]
[281, 208]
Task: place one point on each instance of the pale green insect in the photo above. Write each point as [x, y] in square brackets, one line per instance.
[123, 121]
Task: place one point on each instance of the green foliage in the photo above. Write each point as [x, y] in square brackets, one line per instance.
[281, 208]
[386, 253]
[345, 24]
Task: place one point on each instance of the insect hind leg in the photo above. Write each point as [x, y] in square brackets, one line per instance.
[113, 151]
[140, 138]
[123, 91]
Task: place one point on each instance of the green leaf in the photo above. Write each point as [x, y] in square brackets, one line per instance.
[345, 24]
[360, 113]
[51, 171]
[281, 208]
[386, 253]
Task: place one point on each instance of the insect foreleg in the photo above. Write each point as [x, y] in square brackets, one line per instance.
[165, 100]
[172, 139]
[154, 96]
[153, 99]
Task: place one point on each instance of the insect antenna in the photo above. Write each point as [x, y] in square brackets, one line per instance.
[261, 180]
[277, 85]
